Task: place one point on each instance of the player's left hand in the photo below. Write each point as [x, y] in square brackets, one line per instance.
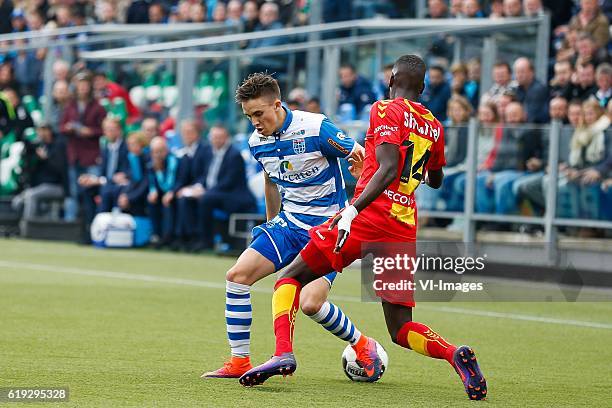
[343, 220]
[355, 168]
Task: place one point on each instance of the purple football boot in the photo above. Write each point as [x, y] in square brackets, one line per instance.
[284, 365]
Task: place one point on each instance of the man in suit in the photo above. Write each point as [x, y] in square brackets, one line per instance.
[223, 184]
[113, 171]
[187, 190]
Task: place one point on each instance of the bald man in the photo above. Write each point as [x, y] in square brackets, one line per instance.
[162, 176]
[530, 92]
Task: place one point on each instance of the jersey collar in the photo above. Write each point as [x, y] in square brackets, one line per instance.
[286, 123]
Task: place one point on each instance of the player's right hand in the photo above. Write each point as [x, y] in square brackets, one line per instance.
[343, 220]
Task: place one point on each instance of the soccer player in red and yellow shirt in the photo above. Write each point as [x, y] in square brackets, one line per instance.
[404, 147]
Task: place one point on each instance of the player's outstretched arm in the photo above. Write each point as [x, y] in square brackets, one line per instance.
[273, 198]
[387, 156]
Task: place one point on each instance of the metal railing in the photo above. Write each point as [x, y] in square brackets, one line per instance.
[98, 34]
[550, 221]
[379, 33]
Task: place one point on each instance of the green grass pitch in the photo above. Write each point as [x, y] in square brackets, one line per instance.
[137, 328]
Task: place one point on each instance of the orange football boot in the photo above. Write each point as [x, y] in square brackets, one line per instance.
[231, 369]
[368, 358]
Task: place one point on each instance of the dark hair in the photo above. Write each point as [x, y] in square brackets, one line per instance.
[347, 65]
[314, 99]
[575, 101]
[257, 85]
[503, 64]
[293, 102]
[439, 68]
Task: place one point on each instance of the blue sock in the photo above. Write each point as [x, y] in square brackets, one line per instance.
[238, 318]
[337, 323]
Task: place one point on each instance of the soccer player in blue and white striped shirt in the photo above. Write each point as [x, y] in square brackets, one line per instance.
[300, 154]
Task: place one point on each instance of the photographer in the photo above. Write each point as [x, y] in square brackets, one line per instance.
[48, 176]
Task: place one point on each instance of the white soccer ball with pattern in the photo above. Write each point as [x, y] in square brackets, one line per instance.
[353, 371]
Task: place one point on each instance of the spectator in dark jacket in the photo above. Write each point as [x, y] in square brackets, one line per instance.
[162, 176]
[187, 190]
[268, 20]
[437, 93]
[23, 120]
[48, 175]
[132, 196]
[108, 179]
[7, 115]
[223, 183]
[585, 85]
[337, 10]
[138, 12]
[561, 84]
[81, 124]
[6, 9]
[530, 92]
[354, 89]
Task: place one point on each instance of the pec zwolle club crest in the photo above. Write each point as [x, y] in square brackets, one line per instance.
[299, 146]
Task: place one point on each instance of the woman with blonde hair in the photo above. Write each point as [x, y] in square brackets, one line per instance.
[579, 186]
[132, 197]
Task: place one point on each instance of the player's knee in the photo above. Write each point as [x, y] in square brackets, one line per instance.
[238, 274]
[310, 305]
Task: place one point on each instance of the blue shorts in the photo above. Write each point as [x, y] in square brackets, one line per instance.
[280, 241]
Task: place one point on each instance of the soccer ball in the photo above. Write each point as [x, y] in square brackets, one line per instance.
[352, 370]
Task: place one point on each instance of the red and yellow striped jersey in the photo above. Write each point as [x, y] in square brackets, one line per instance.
[420, 138]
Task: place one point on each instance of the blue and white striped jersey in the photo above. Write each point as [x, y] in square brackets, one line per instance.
[303, 159]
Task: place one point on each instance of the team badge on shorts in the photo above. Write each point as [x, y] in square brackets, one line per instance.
[299, 146]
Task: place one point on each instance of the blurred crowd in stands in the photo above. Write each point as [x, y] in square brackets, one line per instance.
[103, 145]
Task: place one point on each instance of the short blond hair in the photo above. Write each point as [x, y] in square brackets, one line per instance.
[138, 137]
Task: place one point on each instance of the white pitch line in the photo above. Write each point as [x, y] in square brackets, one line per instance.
[215, 285]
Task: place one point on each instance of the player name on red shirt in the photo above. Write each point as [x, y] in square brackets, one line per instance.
[420, 138]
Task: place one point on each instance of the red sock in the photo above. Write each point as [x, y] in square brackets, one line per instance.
[285, 304]
[423, 340]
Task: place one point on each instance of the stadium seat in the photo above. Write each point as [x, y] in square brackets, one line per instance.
[169, 91]
[30, 103]
[106, 104]
[119, 110]
[152, 88]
